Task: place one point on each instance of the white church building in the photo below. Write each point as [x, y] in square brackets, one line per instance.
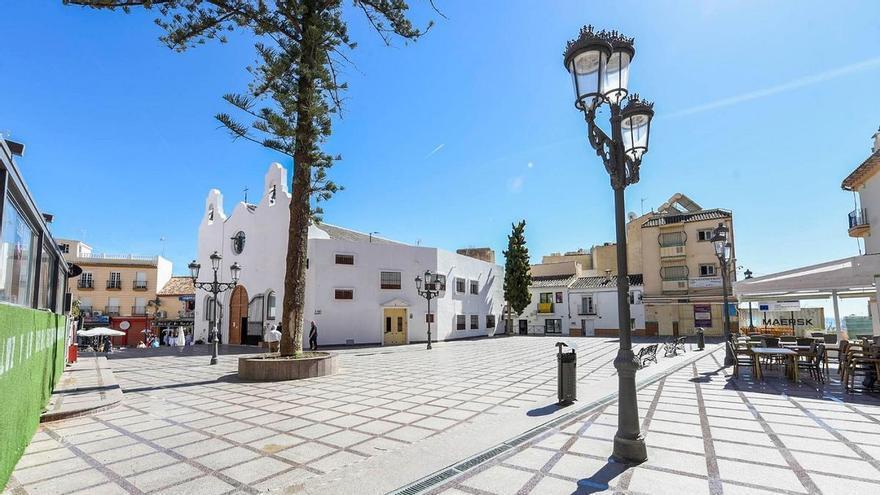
[360, 288]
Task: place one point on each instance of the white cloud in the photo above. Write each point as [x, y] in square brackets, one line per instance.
[781, 88]
[530, 165]
[515, 184]
[435, 150]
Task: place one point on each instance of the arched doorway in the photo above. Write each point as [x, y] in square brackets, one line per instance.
[238, 313]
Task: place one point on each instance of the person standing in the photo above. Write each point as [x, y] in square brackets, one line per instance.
[313, 337]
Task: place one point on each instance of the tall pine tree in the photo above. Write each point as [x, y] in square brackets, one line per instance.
[295, 92]
[517, 276]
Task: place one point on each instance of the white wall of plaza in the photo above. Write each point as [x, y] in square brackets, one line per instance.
[869, 199]
[361, 319]
[573, 317]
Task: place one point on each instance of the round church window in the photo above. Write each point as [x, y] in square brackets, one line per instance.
[238, 242]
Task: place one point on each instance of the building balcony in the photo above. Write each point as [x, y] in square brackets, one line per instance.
[139, 285]
[114, 285]
[85, 284]
[545, 308]
[111, 310]
[186, 314]
[858, 223]
[138, 310]
[668, 252]
[675, 285]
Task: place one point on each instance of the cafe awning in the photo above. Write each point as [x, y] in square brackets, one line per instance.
[848, 277]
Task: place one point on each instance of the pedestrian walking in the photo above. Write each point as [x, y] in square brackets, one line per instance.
[313, 337]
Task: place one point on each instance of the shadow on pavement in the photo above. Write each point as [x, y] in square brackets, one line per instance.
[601, 479]
[544, 411]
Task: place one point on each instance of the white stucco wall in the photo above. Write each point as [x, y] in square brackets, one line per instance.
[358, 321]
[605, 305]
[869, 197]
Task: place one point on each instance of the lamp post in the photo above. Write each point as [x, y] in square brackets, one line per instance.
[214, 287]
[599, 66]
[432, 289]
[748, 274]
[721, 242]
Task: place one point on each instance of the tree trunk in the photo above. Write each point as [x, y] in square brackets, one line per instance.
[300, 203]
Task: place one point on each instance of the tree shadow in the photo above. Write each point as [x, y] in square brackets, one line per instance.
[601, 479]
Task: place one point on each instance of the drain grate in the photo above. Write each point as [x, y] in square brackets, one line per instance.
[479, 459]
[426, 483]
[526, 436]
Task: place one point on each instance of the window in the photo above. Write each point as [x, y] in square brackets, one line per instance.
[140, 281]
[668, 239]
[47, 279]
[475, 322]
[344, 259]
[270, 305]
[490, 321]
[85, 306]
[475, 287]
[704, 235]
[553, 326]
[211, 213]
[635, 297]
[209, 308]
[587, 306]
[459, 322]
[273, 191]
[678, 272]
[115, 281]
[459, 285]
[441, 282]
[140, 306]
[344, 294]
[238, 242]
[429, 317]
[559, 297]
[64, 247]
[16, 258]
[546, 297]
[86, 281]
[112, 307]
[390, 280]
[707, 270]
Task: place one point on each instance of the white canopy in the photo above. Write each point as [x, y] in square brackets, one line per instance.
[100, 332]
[849, 277]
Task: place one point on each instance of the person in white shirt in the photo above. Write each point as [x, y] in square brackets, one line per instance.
[273, 338]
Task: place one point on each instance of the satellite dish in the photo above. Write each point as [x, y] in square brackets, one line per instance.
[73, 270]
[631, 216]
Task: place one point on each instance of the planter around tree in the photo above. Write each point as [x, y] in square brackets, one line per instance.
[276, 368]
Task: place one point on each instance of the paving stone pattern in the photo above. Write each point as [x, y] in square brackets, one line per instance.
[187, 427]
[705, 435]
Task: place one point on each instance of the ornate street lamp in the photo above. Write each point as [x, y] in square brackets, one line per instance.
[721, 242]
[599, 65]
[432, 289]
[214, 287]
[748, 274]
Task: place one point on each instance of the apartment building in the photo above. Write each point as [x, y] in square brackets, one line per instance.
[672, 249]
[175, 307]
[114, 289]
[864, 182]
[597, 261]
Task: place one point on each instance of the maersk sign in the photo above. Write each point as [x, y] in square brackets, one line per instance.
[31, 361]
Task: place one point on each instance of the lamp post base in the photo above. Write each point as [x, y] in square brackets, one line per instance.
[213, 360]
[629, 450]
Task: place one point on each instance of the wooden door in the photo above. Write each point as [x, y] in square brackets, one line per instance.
[394, 326]
[238, 311]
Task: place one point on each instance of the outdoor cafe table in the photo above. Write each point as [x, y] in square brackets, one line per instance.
[790, 355]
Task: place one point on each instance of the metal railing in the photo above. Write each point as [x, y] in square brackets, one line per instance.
[138, 310]
[85, 284]
[105, 256]
[858, 218]
[111, 310]
[114, 284]
[139, 285]
[670, 239]
[186, 314]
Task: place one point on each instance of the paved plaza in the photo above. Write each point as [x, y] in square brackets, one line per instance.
[190, 428]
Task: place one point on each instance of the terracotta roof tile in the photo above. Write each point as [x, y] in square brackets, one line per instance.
[177, 286]
[698, 216]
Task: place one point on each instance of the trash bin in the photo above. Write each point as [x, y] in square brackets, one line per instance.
[566, 380]
[701, 339]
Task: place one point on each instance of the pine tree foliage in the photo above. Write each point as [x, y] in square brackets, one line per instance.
[292, 98]
[517, 277]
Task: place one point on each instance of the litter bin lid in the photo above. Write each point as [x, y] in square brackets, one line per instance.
[568, 357]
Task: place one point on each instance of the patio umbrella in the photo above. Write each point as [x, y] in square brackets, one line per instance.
[100, 332]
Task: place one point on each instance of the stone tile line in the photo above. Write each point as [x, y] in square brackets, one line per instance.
[706, 433]
[195, 421]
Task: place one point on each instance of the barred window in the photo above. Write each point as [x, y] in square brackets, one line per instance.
[672, 239]
[344, 259]
[490, 321]
[475, 322]
[390, 280]
[475, 287]
[459, 285]
[344, 294]
[678, 272]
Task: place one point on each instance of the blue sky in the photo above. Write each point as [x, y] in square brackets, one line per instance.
[762, 108]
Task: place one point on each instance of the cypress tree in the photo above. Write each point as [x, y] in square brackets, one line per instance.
[517, 276]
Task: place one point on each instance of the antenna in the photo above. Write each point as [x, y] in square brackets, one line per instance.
[643, 205]
[371, 235]
[245, 194]
[162, 239]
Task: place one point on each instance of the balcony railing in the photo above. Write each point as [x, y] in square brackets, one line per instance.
[111, 310]
[186, 314]
[545, 308]
[858, 223]
[139, 285]
[85, 284]
[114, 284]
[138, 310]
[673, 251]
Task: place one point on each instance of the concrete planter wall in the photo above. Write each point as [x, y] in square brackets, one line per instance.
[279, 369]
